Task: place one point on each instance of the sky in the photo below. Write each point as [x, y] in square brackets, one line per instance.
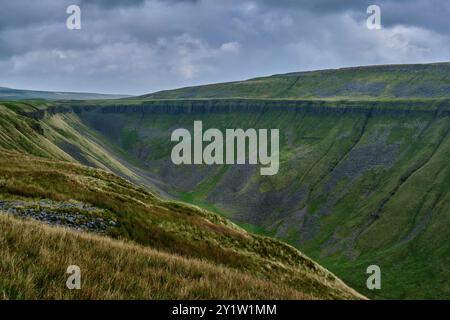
[142, 46]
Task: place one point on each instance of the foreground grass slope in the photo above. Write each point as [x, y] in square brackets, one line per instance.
[34, 258]
[141, 217]
[391, 81]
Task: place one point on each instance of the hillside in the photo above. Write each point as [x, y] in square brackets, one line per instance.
[391, 81]
[168, 236]
[140, 273]
[362, 181]
[19, 94]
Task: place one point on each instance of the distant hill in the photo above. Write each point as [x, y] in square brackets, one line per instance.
[20, 94]
[388, 81]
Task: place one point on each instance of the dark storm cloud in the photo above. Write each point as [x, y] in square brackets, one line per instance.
[109, 4]
[321, 6]
[430, 14]
[22, 13]
[144, 45]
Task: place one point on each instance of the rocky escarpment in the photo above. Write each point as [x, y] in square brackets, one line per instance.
[440, 107]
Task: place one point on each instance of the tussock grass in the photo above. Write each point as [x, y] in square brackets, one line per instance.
[34, 258]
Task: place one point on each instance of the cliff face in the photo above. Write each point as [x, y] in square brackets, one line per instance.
[393, 107]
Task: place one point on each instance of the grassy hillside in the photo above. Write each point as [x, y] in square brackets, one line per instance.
[113, 269]
[26, 181]
[393, 81]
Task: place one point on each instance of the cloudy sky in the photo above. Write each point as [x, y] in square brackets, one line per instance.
[141, 46]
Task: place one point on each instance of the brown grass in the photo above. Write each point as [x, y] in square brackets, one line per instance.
[34, 258]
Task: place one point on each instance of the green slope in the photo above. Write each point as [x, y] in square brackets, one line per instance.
[393, 81]
[139, 216]
[356, 187]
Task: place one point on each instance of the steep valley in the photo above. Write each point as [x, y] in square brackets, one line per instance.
[150, 247]
[355, 188]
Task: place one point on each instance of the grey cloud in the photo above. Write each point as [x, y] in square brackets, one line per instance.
[23, 13]
[429, 14]
[111, 4]
[142, 46]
